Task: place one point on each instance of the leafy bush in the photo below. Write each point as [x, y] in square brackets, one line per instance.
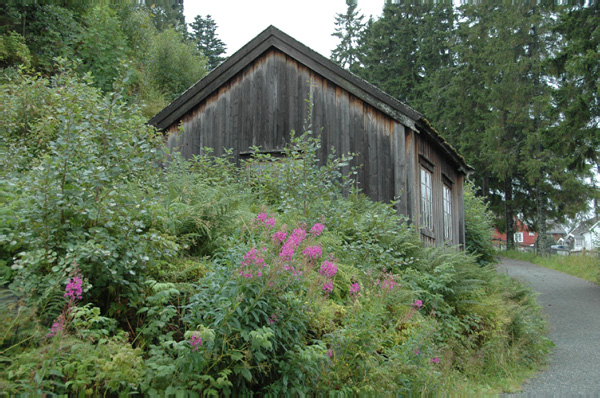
[84, 199]
[479, 227]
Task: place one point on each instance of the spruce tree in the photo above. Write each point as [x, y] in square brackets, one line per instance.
[204, 34]
[349, 27]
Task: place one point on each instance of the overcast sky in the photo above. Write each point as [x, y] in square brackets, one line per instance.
[311, 22]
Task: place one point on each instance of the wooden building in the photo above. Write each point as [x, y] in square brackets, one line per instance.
[258, 96]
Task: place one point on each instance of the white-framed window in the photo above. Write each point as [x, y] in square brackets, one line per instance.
[532, 234]
[426, 199]
[447, 206]
[518, 237]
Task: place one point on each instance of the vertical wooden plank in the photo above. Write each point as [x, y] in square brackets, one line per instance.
[270, 102]
[343, 106]
[387, 167]
[371, 136]
[332, 122]
[399, 167]
[234, 127]
[293, 96]
[282, 125]
[245, 115]
[357, 139]
[412, 189]
[259, 106]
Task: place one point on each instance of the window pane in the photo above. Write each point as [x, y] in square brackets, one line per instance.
[426, 199]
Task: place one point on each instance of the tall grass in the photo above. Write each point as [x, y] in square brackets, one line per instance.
[584, 266]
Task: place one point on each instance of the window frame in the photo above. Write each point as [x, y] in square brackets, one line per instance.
[447, 212]
[518, 234]
[426, 195]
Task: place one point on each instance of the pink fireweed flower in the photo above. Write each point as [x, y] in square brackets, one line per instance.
[328, 269]
[312, 251]
[247, 276]
[259, 273]
[330, 353]
[273, 318]
[195, 341]
[261, 216]
[57, 327]
[297, 237]
[73, 290]
[279, 236]
[417, 351]
[418, 304]
[354, 288]
[328, 287]
[317, 229]
[270, 223]
[388, 284]
[435, 360]
[287, 252]
[252, 258]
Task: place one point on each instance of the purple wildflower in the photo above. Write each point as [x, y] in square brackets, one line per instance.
[328, 287]
[418, 304]
[279, 236]
[354, 288]
[312, 251]
[435, 360]
[261, 216]
[287, 252]
[57, 327]
[270, 223]
[195, 341]
[328, 269]
[330, 353]
[73, 290]
[317, 229]
[388, 284]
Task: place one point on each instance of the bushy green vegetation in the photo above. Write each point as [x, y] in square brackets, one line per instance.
[134, 271]
[584, 266]
[118, 46]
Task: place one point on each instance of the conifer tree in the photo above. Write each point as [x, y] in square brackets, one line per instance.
[204, 33]
[349, 27]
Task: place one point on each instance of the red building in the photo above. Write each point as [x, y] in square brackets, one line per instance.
[523, 237]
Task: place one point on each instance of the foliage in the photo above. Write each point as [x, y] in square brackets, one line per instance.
[100, 46]
[141, 48]
[144, 273]
[174, 65]
[349, 27]
[479, 227]
[13, 50]
[82, 201]
[204, 34]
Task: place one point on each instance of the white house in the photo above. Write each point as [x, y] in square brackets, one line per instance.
[586, 236]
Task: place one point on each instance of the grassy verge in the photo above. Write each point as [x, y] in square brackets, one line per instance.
[582, 266]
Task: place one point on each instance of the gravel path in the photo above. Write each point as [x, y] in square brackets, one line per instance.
[573, 309]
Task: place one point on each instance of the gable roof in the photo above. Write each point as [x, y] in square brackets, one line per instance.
[275, 38]
[585, 226]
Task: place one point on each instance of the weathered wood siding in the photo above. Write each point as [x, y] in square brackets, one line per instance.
[264, 102]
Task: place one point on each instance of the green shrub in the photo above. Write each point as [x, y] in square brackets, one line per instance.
[84, 198]
[479, 227]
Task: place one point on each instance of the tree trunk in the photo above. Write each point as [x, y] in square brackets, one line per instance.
[509, 215]
[541, 221]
